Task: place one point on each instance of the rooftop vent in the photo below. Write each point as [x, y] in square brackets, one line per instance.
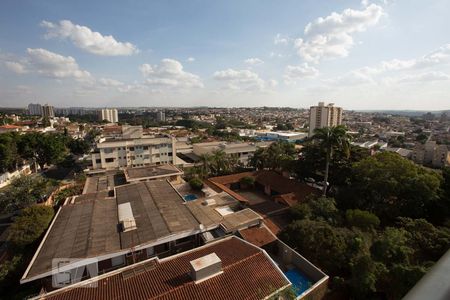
[126, 218]
[206, 267]
[209, 202]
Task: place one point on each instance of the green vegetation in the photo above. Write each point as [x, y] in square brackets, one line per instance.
[29, 226]
[329, 140]
[42, 148]
[247, 181]
[278, 156]
[24, 236]
[383, 229]
[25, 191]
[196, 184]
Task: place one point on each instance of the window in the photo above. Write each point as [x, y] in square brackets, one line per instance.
[131, 148]
[98, 161]
[150, 252]
[117, 261]
[183, 240]
[108, 150]
[145, 147]
[146, 156]
[109, 160]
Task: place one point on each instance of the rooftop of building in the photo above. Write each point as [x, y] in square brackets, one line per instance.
[248, 273]
[105, 180]
[87, 226]
[151, 172]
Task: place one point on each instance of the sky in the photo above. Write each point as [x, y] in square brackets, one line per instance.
[370, 54]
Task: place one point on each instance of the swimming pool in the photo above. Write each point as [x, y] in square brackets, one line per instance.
[189, 197]
[300, 282]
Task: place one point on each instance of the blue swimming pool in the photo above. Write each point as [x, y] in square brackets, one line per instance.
[299, 281]
[189, 197]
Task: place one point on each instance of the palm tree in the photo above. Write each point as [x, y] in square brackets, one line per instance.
[206, 161]
[330, 139]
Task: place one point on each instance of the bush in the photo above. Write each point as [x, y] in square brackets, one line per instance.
[196, 184]
[29, 226]
[361, 218]
[247, 181]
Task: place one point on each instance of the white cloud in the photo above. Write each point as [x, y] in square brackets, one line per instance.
[16, 67]
[108, 82]
[351, 78]
[49, 64]
[244, 80]
[281, 39]
[190, 59]
[254, 61]
[88, 40]
[293, 74]
[331, 37]
[170, 73]
[273, 54]
[424, 77]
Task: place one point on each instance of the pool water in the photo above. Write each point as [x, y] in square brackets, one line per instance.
[189, 197]
[300, 282]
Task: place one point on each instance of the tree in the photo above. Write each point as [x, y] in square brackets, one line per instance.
[330, 139]
[278, 156]
[247, 181]
[29, 226]
[9, 156]
[24, 191]
[78, 146]
[362, 219]
[392, 247]
[389, 186]
[320, 243]
[364, 276]
[196, 184]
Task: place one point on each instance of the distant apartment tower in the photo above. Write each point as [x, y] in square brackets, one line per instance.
[34, 109]
[47, 111]
[160, 116]
[324, 116]
[109, 114]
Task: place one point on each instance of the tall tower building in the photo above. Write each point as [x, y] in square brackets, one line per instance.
[109, 114]
[324, 116]
[47, 111]
[160, 116]
[34, 109]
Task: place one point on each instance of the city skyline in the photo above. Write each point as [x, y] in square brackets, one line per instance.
[363, 55]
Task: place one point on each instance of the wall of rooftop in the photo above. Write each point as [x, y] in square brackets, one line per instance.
[320, 280]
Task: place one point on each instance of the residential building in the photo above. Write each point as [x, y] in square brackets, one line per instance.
[35, 109]
[134, 152]
[160, 116]
[431, 154]
[109, 114]
[324, 116]
[230, 268]
[242, 151]
[288, 136]
[47, 111]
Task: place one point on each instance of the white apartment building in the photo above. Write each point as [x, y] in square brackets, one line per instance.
[324, 116]
[109, 114]
[47, 111]
[34, 109]
[118, 153]
[243, 151]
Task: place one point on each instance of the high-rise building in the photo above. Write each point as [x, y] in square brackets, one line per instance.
[47, 111]
[160, 116]
[34, 109]
[109, 114]
[324, 116]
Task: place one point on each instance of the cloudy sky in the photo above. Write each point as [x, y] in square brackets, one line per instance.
[371, 54]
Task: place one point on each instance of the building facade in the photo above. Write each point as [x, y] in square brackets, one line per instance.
[47, 111]
[109, 114]
[324, 116]
[34, 109]
[160, 116]
[138, 152]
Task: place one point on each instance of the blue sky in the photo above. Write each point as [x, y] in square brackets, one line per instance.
[359, 54]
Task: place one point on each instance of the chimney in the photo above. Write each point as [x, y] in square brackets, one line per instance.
[206, 267]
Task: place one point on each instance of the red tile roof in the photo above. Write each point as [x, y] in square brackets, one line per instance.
[247, 274]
